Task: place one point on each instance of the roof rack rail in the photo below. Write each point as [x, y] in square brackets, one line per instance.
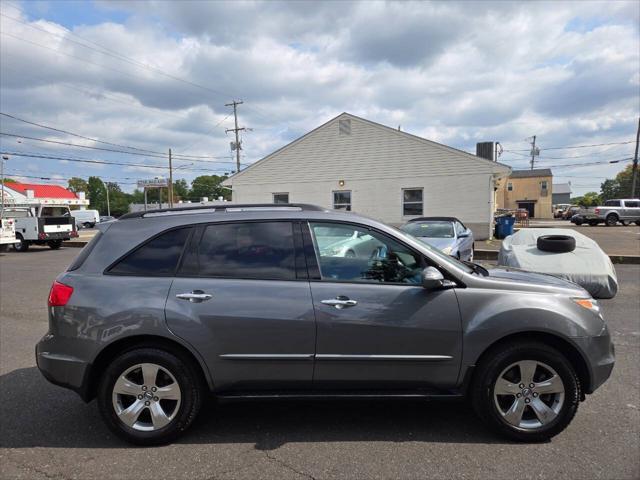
[223, 207]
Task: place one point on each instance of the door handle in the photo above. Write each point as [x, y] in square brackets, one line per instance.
[197, 296]
[340, 302]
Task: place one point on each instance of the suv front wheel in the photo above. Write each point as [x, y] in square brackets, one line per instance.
[149, 396]
[526, 391]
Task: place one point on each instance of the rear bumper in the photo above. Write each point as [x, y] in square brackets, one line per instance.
[600, 355]
[61, 369]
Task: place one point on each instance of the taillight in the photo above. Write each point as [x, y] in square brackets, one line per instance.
[42, 236]
[59, 294]
[597, 211]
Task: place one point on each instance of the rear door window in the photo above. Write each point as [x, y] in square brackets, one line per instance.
[157, 258]
[252, 250]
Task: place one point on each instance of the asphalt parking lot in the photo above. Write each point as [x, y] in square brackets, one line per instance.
[47, 432]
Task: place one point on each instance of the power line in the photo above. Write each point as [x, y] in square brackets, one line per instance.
[103, 149]
[66, 132]
[112, 53]
[573, 146]
[96, 161]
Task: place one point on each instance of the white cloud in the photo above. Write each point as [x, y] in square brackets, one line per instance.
[457, 73]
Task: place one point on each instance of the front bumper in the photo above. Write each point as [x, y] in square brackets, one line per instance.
[61, 369]
[599, 353]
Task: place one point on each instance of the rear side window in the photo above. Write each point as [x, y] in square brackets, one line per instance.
[158, 257]
[612, 203]
[260, 250]
[85, 252]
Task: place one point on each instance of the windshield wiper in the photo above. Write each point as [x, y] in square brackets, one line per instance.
[476, 268]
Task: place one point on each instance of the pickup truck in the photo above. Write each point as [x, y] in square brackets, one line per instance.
[41, 225]
[613, 211]
[7, 233]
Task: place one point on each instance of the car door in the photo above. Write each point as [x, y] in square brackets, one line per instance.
[242, 299]
[376, 326]
[466, 240]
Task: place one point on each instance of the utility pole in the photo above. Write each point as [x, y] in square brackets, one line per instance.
[106, 187]
[534, 152]
[170, 182]
[5, 157]
[236, 130]
[634, 169]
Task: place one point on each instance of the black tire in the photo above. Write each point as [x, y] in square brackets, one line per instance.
[54, 244]
[611, 220]
[556, 243]
[87, 225]
[489, 371]
[22, 245]
[191, 390]
[638, 223]
[578, 221]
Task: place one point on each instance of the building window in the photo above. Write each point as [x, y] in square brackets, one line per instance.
[280, 198]
[342, 200]
[543, 184]
[412, 202]
[510, 186]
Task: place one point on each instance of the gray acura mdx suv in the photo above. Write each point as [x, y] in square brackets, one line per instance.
[167, 307]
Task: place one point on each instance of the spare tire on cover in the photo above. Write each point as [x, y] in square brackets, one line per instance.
[556, 243]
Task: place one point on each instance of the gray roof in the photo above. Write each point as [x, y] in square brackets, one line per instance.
[562, 188]
[539, 172]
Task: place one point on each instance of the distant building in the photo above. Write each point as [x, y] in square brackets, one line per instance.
[561, 193]
[351, 163]
[34, 193]
[527, 189]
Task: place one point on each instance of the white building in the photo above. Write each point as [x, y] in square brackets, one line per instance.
[355, 164]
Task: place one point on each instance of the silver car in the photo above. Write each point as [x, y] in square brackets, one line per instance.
[163, 309]
[447, 234]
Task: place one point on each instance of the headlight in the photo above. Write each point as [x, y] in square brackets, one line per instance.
[447, 250]
[588, 303]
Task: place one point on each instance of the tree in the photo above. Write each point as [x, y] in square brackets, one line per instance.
[77, 184]
[208, 186]
[180, 189]
[589, 199]
[618, 187]
[97, 194]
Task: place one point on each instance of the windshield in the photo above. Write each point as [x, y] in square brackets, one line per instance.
[432, 229]
[54, 212]
[437, 253]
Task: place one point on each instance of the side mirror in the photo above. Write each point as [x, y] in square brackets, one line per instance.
[432, 279]
[464, 234]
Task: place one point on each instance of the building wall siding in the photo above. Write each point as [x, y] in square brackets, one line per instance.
[527, 189]
[382, 199]
[375, 163]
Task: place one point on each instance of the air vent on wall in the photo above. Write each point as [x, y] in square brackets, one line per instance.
[345, 126]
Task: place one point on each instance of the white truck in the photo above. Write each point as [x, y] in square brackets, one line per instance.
[41, 225]
[7, 233]
[86, 218]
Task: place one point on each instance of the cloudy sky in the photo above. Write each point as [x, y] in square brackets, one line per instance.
[156, 75]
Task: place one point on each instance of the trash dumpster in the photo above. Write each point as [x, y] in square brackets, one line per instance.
[504, 226]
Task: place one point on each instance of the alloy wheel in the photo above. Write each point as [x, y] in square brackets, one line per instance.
[529, 394]
[146, 397]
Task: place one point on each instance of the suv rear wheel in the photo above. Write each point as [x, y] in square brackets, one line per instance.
[149, 396]
[527, 391]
